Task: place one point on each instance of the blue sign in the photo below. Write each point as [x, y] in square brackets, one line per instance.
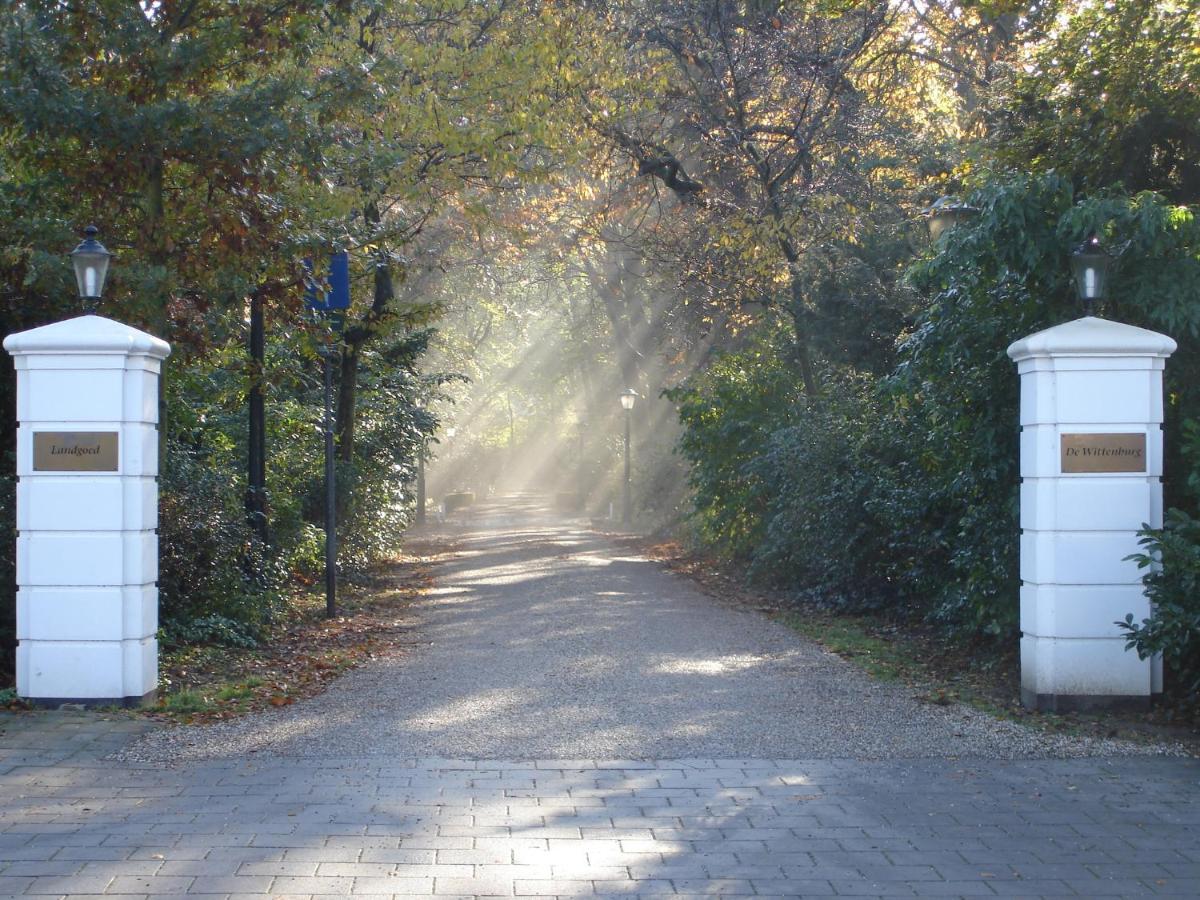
[336, 292]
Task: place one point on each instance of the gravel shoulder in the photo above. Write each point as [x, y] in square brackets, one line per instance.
[543, 640]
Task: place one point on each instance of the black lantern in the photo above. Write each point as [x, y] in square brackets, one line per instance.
[90, 259]
[947, 214]
[1090, 263]
[628, 398]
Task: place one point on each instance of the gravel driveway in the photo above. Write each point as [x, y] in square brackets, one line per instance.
[545, 641]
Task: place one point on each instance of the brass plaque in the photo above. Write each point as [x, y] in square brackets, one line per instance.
[1103, 453]
[75, 451]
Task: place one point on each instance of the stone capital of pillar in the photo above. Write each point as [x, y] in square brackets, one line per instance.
[89, 335]
[1092, 336]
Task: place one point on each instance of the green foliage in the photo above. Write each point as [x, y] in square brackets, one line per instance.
[1171, 556]
[216, 145]
[216, 584]
[728, 413]
[839, 478]
[1171, 560]
[1002, 278]
[1110, 97]
[902, 494]
[172, 128]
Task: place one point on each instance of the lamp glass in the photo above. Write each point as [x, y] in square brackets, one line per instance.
[90, 259]
[938, 223]
[1089, 265]
[628, 398]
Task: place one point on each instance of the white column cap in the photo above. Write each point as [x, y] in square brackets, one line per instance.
[87, 335]
[1092, 336]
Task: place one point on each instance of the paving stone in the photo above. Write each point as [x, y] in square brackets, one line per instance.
[298, 884]
[484, 887]
[707, 855]
[393, 885]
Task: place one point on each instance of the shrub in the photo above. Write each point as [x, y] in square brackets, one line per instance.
[1172, 559]
[216, 583]
[728, 413]
[840, 484]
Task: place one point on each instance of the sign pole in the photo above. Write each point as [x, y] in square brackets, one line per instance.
[330, 300]
[330, 492]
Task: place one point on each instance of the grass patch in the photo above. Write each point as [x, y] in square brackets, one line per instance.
[849, 638]
[216, 699]
[941, 673]
[185, 703]
[242, 691]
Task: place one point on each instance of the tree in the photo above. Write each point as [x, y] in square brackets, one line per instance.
[173, 125]
[460, 106]
[786, 149]
[1112, 95]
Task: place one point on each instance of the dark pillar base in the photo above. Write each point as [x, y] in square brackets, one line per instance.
[148, 699]
[1083, 702]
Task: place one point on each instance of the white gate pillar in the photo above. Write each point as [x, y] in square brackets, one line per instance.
[87, 509]
[1091, 477]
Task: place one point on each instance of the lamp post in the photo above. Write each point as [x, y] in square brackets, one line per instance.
[90, 259]
[1090, 263]
[628, 399]
[946, 214]
[419, 518]
[579, 473]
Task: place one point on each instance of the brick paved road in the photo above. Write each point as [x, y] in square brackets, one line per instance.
[74, 825]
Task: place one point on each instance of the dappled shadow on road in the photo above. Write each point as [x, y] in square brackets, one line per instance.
[560, 828]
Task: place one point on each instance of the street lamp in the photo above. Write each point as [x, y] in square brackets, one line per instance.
[90, 259]
[1090, 263]
[628, 398]
[946, 214]
[419, 519]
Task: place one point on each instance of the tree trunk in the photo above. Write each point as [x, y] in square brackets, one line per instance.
[256, 462]
[797, 308]
[610, 283]
[154, 247]
[353, 341]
